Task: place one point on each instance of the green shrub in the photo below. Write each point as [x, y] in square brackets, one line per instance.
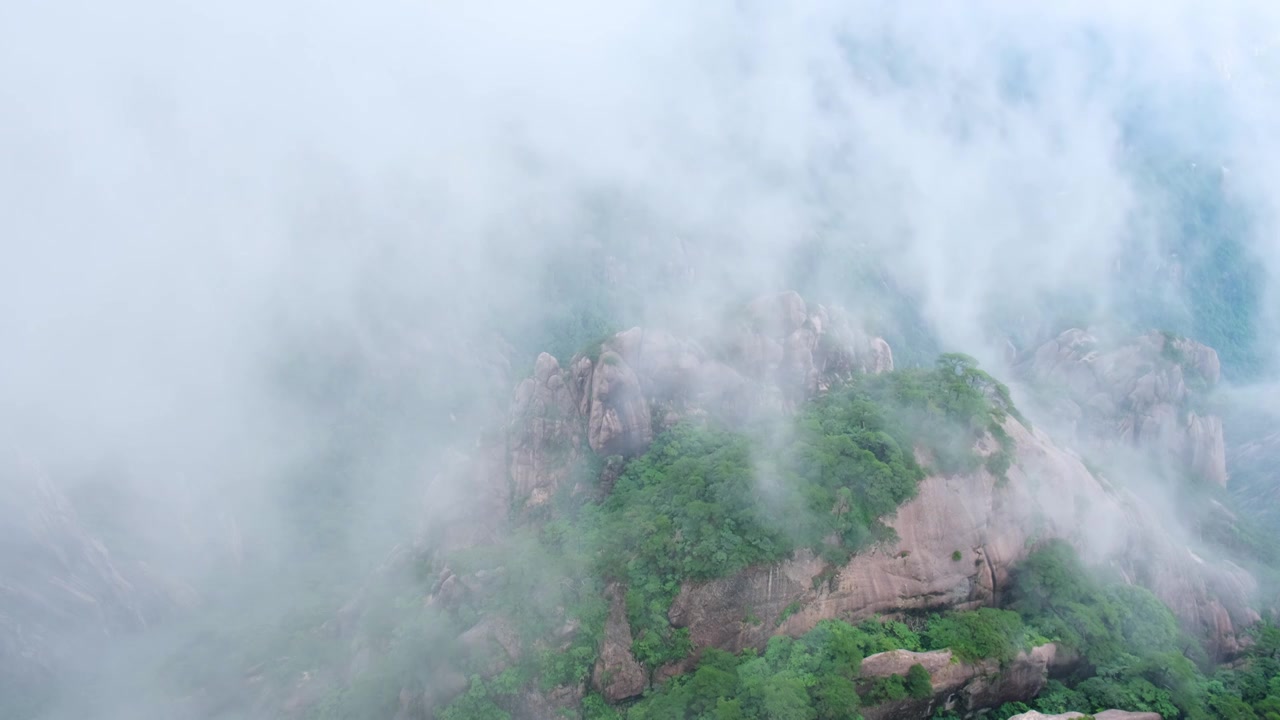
[477, 703]
[595, 707]
[808, 677]
[919, 683]
[788, 611]
[1136, 657]
[982, 633]
[885, 689]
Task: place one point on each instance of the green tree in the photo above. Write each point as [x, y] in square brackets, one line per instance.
[785, 698]
[982, 633]
[835, 697]
[919, 682]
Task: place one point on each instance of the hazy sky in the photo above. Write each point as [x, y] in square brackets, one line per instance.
[175, 173]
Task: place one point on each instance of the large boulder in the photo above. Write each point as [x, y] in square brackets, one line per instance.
[959, 686]
[638, 382]
[1104, 715]
[618, 422]
[617, 674]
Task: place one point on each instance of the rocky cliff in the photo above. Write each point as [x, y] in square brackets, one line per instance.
[1144, 394]
[991, 524]
[614, 398]
[1141, 395]
[957, 541]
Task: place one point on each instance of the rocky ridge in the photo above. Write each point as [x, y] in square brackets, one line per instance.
[993, 525]
[611, 400]
[1144, 394]
[1137, 395]
[615, 398]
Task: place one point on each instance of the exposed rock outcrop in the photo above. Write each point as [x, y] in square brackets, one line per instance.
[779, 351]
[1141, 394]
[993, 525]
[617, 674]
[544, 433]
[959, 686]
[614, 398]
[1104, 715]
[618, 422]
[559, 702]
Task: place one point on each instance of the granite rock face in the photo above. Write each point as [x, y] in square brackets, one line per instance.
[617, 674]
[615, 398]
[543, 434]
[1144, 394]
[961, 687]
[993, 525]
[612, 400]
[1104, 715]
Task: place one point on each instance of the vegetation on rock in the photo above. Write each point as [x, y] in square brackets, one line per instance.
[1134, 657]
[706, 502]
[809, 678]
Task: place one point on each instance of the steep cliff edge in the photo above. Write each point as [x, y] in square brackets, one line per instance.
[957, 542]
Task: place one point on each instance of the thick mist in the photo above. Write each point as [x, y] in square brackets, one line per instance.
[266, 268]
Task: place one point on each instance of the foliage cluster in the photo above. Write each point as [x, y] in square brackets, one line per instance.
[978, 634]
[1136, 658]
[809, 678]
[916, 685]
[705, 502]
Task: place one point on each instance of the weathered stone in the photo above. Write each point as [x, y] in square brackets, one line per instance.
[619, 423]
[544, 434]
[644, 380]
[992, 524]
[617, 674]
[1138, 394]
[1104, 715]
[957, 685]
